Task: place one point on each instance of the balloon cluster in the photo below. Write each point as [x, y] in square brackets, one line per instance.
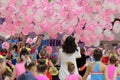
[89, 20]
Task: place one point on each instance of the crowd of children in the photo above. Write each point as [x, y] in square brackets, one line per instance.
[23, 61]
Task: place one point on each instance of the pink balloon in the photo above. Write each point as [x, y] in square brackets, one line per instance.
[66, 1]
[108, 26]
[45, 2]
[53, 36]
[29, 40]
[49, 49]
[110, 38]
[90, 51]
[93, 37]
[88, 9]
[5, 45]
[81, 3]
[46, 26]
[70, 30]
[65, 36]
[101, 37]
[118, 50]
[49, 10]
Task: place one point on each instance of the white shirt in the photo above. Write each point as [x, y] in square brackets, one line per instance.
[65, 58]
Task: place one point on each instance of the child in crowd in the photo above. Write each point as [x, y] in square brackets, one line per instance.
[72, 75]
[43, 56]
[52, 71]
[42, 69]
[30, 67]
[111, 67]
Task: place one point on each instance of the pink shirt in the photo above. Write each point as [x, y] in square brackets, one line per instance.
[42, 78]
[111, 71]
[20, 69]
[73, 77]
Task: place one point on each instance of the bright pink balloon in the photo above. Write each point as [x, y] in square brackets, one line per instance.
[49, 49]
[29, 40]
[5, 45]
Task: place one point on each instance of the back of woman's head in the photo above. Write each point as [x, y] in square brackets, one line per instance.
[23, 53]
[15, 47]
[29, 65]
[112, 59]
[42, 53]
[97, 54]
[69, 45]
[41, 67]
[70, 67]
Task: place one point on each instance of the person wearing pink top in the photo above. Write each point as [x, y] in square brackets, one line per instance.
[72, 76]
[41, 69]
[111, 68]
[20, 67]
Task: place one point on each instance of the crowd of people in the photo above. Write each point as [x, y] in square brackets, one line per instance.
[23, 61]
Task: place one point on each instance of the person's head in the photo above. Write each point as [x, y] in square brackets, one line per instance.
[2, 64]
[15, 48]
[106, 46]
[69, 45]
[82, 50]
[28, 45]
[97, 54]
[42, 67]
[42, 53]
[31, 66]
[71, 67]
[53, 60]
[23, 54]
[6, 75]
[112, 59]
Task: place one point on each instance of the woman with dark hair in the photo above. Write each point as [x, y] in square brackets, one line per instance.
[19, 67]
[68, 53]
[97, 69]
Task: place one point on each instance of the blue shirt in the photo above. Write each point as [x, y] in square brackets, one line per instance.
[26, 76]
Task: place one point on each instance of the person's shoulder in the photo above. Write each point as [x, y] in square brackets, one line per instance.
[21, 77]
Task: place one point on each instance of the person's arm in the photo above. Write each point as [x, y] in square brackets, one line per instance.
[78, 54]
[115, 75]
[58, 61]
[13, 75]
[106, 73]
[86, 73]
[51, 65]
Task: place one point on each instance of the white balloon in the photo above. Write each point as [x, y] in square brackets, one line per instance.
[107, 32]
[98, 30]
[96, 44]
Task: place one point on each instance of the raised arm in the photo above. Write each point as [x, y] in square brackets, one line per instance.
[86, 73]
